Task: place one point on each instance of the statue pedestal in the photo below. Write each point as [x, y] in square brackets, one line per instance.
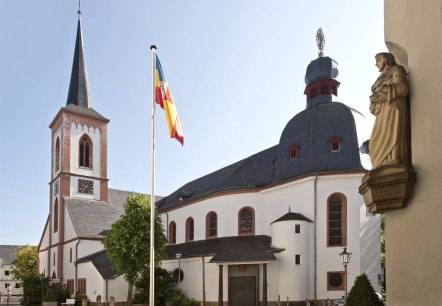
[388, 187]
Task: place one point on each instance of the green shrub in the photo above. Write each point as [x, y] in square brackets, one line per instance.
[178, 298]
[49, 295]
[79, 298]
[60, 291]
[362, 293]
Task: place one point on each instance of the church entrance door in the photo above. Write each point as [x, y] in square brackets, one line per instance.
[242, 291]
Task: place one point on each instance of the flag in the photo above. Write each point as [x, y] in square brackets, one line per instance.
[165, 100]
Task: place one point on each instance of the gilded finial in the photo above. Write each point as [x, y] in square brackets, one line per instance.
[320, 41]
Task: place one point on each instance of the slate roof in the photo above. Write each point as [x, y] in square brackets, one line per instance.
[8, 253]
[311, 130]
[322, 68]
[91, 218]
[79, 92]
[73, 108]
[101, 262]
[292, 216]
[227, 249]
[252, 172]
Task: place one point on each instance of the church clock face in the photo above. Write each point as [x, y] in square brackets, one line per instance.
[85, 186]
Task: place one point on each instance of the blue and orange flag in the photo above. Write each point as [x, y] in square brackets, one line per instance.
[163, 97]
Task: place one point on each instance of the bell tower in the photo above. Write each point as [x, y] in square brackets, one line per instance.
[79, 156]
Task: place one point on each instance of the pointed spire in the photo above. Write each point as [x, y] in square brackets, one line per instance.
[79, 86]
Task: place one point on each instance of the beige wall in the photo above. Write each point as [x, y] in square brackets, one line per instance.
[413, 32]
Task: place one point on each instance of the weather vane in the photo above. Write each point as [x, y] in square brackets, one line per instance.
[320, 41]
[79, 8]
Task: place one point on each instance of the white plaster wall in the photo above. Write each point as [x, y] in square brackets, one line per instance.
[370, 236]
[271, 204]
[293, 278]
[297, 195]
[43, 261]
[69, 267]
[94, 281]
[87, 247]
[45, 238]
[117, 288]
[54, 263]
[328, 257]
[273, 272]
[226, 207]
[78, 130]
[69, 230]
[413, 33]
[192, 284]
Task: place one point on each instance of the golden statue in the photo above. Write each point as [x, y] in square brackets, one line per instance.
[388, 102]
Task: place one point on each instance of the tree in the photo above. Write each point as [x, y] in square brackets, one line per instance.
[25, 269]
[362, 293]
[26, 262]
[128, 241]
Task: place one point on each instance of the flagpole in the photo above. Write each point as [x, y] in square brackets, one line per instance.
[152, 193]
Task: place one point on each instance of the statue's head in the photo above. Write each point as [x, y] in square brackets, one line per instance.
[385, 60]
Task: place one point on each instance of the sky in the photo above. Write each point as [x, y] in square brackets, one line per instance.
[236, 70]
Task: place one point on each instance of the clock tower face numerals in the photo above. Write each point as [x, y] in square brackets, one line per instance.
[85, 186]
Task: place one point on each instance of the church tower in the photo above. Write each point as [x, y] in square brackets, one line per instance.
[78, 157]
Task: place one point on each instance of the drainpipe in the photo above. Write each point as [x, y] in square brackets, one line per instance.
[107, 288]
[167, 226]
[76, 266]
[204, 281]
[315, 237]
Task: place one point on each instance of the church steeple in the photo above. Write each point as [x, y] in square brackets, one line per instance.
[79, 93]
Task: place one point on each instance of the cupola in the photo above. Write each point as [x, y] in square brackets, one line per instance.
[320, 77]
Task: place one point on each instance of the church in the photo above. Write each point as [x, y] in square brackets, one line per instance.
[269, 226]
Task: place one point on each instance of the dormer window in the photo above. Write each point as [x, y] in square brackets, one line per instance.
[293, 152]
[184, 195]
[335, 143]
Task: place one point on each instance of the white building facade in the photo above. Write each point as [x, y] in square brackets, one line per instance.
[272, 226]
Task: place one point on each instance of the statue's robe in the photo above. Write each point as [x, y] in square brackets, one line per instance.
[389, 139]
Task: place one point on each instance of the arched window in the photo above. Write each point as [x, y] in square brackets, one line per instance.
[172, 232]
[211, 225]
[57, 154]
[55, 217]
[246, 221]
[337, 220]
[190, 230]
[85, 152]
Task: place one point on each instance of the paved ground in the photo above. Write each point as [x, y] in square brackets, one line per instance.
[10, 301]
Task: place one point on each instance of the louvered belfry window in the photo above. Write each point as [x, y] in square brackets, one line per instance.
[85, 152]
